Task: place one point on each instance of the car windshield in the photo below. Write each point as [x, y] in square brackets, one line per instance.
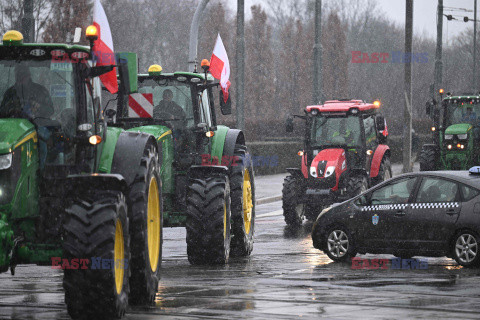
[462, 112]
[336, 131]
[168, 96]
[36, 89]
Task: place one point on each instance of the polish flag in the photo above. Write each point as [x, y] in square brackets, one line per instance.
[103, 47]
[220, 66]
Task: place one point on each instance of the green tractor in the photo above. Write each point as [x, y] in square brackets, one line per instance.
[75, 193]
[207, 174]
[455, 133]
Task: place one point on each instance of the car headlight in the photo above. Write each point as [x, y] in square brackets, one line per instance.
[5, 161]
[330, 170]
[448, 136]
[313, 172]
[462, 136]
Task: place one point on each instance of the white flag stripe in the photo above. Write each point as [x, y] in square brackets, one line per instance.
[100, 17]
[221, 53]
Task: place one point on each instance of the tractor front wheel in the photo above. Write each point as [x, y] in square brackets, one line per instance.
[385, 171]
[293, 206]
[208, 220]
[243, 203]
[428, 159]
[356, 184]
[145, 211]
[96, 229]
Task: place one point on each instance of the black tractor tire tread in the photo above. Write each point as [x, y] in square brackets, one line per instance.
[143, 282]
[427, 159]
[355, 183]
[291, 193]
[89, 231]
[242, 243]
[384, 166]
[206, 198]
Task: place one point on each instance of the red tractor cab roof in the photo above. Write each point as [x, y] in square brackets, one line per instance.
[344, 106]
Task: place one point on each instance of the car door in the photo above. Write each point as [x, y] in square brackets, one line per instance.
[433, 214]
[381, 220]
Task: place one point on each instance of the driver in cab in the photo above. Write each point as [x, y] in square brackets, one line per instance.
[26, 98]
[169, 110]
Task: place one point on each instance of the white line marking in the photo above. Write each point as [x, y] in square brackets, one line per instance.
[270, 214]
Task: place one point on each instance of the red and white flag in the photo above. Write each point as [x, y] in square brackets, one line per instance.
[220, 66]
[103, 47]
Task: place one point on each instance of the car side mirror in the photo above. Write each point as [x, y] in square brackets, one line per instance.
[225, 107]
[289, 125]
[380, 122]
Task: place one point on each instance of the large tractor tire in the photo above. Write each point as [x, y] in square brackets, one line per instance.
[146, 221]
[428, 159]
[208, 220]
[293, 207]
[356, 184]
[96, 227]
[384, 172]
[243, 203]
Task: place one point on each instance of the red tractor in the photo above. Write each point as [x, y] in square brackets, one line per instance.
[345, 153]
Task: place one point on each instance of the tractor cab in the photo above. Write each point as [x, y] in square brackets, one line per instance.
[345, 153]
[456, 131]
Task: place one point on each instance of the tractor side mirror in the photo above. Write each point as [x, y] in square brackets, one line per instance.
[225, 107]
[127, 64]
[289, 125]
[380, 122]
[110, 113]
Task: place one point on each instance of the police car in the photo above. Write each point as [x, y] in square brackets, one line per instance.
[424, 213]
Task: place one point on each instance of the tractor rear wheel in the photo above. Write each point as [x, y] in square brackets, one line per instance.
[293, 207]
[428, 158]
[208, 220]
[96, 227]
[243, 203]
[146, 220]
[356, 184]
[385, 171]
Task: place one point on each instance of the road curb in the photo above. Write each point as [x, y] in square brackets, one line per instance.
[268, 200]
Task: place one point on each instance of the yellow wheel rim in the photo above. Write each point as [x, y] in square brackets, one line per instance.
[154, 227]
[224, 221]
[247, 201]
[119, 254]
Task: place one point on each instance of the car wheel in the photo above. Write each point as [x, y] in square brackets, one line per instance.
[339, 244]
[465, 249]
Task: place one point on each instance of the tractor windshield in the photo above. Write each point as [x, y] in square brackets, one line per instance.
[328, 131]
[462, 112]
[171, 99]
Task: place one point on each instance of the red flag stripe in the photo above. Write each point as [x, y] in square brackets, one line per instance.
[216, 66]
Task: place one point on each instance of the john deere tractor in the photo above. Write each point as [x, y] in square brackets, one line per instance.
[455, 134]
[75, 193]
[207, 178]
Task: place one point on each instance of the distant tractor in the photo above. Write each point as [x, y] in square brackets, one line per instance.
[455, 134]
[344, 154]
[207, 177]
[75, 193]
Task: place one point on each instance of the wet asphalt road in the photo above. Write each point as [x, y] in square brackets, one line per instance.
[284, 278]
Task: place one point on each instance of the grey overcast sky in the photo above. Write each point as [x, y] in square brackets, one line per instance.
[424, 14]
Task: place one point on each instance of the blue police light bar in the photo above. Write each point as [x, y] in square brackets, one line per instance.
[474, 170]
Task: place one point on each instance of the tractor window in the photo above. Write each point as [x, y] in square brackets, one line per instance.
[171, 99]
[462, 112]
[36, 88]
[370, 132]
[336, 131]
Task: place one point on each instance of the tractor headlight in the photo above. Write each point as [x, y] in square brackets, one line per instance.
[448, 136]
[330, 170]
[313, 172]
[5, 161]
[462, 136]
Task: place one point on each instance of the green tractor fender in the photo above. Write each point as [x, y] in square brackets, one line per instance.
[224, 141]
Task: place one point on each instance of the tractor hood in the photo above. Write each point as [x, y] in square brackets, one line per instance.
[12, 132]
[327, 162]
[459, 128]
